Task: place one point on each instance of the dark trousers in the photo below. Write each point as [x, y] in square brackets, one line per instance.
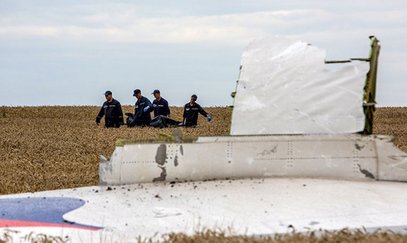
[112, 124]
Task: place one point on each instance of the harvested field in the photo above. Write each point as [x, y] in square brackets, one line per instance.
[344, 235]
[392, 121]
[209, 236]
[47, 148]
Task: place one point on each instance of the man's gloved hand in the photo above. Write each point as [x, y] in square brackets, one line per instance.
[97, 123]
[208, 118]
[182, 124]
[146, 108]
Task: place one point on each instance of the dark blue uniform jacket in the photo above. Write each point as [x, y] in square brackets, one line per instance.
[161, 107]
[141, 117]
[113, 113]
[191, 114]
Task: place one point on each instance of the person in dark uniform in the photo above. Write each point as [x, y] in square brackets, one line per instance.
[142, 111]
[160, 105]
[191, 111]
[112, 110]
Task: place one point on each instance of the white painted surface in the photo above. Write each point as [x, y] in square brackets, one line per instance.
[333, 156]
[255, 206]
[284, 88]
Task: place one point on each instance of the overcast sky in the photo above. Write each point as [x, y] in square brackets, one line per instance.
[71, 52]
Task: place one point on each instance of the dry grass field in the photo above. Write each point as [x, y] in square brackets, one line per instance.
[46, 148]
[321, 236]
[392, 121]
[209, 236]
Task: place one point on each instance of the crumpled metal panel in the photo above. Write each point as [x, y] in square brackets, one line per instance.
[340, 156]
[284, 88]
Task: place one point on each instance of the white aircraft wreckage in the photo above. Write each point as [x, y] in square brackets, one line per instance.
[306, 117]
[308, 162]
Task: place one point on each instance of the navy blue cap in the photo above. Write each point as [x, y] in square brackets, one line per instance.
[136, 92]
[194, 97]
[108, 93]
[156, 91]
